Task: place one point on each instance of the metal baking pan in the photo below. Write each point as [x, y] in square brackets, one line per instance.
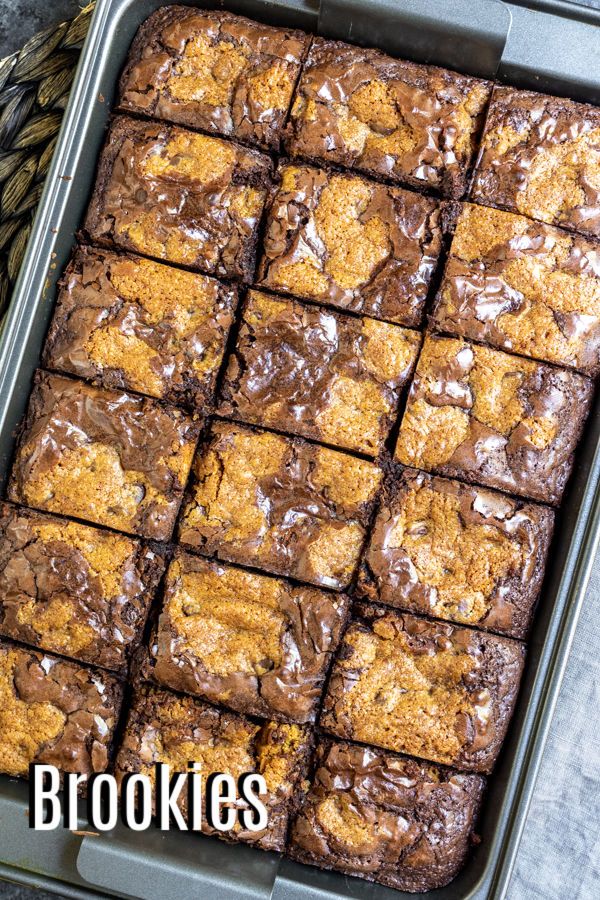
[547, 45]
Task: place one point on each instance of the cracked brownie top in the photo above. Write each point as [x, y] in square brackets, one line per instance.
[54, 712]
[353, 243]
[112, 458]
[540, 156]
[523, 286]
[489, 417]
[180, 196]
[397, 821]
[211, 70]
[131, 323]
[387, 117]
[165, 728]
[283, 504]
[253, 643]
[429, 689]
[457, 552]
[72, 589]
[312, 372]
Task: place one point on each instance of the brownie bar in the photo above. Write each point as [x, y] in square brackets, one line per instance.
[54, 712]
[486, 416]
[353, 243]
[72, 589]
[128, 322]
[522, 286]
[318, 374]
[111, 458]
[387, 117]
[540, 157]
[253, 643]
[180, 196]
[214, 71]
[166, 728]
[280, 504]
[429, 689]
[386, 818]
[456, 552]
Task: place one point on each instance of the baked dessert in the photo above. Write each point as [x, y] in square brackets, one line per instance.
[55, 712]
[429, 689]
[111, 458]
[340, 239]
[522, 286]
[221, 73]
[131, 323]
[253, 643]
[489, 417]
[280, 504]
[165, 728]
[386, 818]
[180, 196]
[388, 117]
[72, 589]
[540, 156]
[318, 374]
[456, 552]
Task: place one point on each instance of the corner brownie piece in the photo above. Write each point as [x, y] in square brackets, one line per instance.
[128, 322]
[72, 589]
[256, 644]
[386, 818]
[522, 286]
[456, 552]
[315, 373]
[111, 458]
[179, 196]
[214, 71]
[166, 728]
[55, 712]
[388, 117]
[281, 504]
[353, 243]
[540, 156]
[486, 416]
[429, 689]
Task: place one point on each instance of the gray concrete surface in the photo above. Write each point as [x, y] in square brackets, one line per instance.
[19, 19]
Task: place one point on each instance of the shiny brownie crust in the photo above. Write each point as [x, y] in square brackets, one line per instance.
[492, 418]
[110, 458]
[220, 73]
[75, 590]
[135, 324]
[387, 117]
[457, 552]
[159, 192]
[339, 239]
[253, 643]
[311, 372]
[281, 504]
[55, 712]
[415, 820]
[429, 689]
[169, 728]
[539, 157]
[523, 287]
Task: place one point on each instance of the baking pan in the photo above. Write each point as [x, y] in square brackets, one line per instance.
[541, 44]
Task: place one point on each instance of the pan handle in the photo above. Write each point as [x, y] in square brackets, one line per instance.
[468, 35]
[149, 864]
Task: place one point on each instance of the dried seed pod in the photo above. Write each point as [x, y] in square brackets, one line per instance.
[17, 186]
[54, 86]
[17, 251]
[38, 129]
